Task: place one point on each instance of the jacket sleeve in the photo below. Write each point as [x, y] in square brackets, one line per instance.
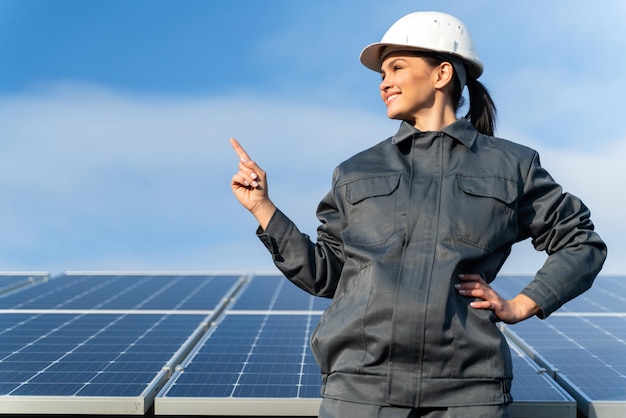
[559, 224]
[314, 267]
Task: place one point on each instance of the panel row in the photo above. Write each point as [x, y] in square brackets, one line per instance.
[220, 344]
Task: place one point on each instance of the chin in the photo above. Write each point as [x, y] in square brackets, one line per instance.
[394, 115]
[397, 116]
[396, 112]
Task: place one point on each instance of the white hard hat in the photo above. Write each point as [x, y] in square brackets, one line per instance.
[426, 31]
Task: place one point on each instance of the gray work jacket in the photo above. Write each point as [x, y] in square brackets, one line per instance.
[401, 221]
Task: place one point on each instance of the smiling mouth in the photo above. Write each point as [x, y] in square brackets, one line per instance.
[392, 97]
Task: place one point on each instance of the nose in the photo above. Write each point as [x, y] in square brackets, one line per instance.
[385, 84]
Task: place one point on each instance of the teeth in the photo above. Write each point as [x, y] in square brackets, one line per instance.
[390, 98]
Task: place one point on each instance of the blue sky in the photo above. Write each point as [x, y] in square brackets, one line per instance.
[115, 118]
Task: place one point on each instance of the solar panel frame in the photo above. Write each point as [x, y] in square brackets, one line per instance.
[14, 280]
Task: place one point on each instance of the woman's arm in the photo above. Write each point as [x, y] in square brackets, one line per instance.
[314, 267]
[559, 224]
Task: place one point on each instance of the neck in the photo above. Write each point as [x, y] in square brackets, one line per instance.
[436, 117]
[433, 121]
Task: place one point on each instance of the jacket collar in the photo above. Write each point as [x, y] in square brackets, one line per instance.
[461, 130]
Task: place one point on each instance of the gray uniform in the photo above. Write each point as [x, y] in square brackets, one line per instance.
[401, 221]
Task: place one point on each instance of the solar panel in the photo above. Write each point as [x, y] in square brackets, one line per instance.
[248, 365]
[120, 357]
[101, 343]
[257, 358]
[137, 291]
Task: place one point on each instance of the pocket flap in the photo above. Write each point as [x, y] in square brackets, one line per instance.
[361, 189]
[494, 187]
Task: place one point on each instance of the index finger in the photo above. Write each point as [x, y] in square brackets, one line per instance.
[243, 155]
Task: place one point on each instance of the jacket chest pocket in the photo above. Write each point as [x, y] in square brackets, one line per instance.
[371, 209]
[485, 214]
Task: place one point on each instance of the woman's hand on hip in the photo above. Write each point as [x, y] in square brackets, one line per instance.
[509, 311]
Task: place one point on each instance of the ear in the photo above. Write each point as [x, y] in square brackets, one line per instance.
[445, 74]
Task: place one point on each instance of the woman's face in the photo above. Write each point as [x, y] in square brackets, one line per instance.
[408, 86]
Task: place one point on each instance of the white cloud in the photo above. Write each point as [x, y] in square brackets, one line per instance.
[91, 174]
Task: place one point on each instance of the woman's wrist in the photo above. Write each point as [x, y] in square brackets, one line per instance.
[263, 212]
[525, 307]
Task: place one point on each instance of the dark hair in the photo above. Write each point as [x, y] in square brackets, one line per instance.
[482, 111]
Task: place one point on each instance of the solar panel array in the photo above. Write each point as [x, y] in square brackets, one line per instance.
[229, 344]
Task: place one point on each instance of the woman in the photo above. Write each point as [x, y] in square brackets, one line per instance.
[413, 231]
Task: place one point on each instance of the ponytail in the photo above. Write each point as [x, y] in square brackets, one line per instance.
[482, 110]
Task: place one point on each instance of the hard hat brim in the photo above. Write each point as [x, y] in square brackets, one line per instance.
[371, 56]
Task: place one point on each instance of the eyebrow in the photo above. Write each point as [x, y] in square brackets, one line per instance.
[392, 62]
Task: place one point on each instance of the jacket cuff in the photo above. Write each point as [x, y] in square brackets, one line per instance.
[269, 242]
[278, 222]
[543, 296]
